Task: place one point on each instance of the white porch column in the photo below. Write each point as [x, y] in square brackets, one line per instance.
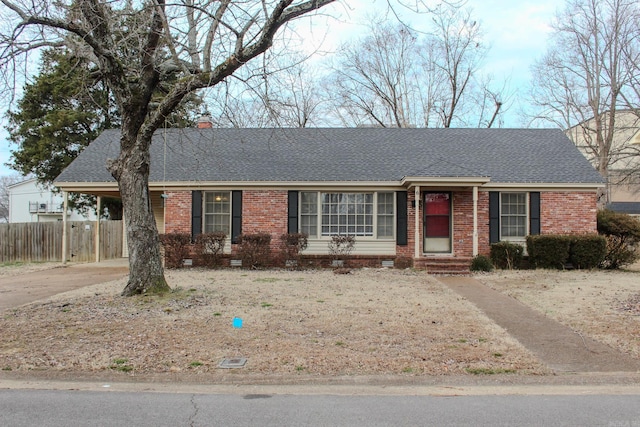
[475, 221]
[98, 210]
[65, 206]
[417, 222]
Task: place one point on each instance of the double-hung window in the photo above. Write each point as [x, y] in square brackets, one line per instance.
[513, 216]
[357, 214]
[217, 212]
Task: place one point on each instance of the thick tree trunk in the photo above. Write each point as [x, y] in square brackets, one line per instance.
[146, 274]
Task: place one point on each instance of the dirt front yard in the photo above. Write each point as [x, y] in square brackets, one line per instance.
[308, 324]
[604, 305]
[314, 323]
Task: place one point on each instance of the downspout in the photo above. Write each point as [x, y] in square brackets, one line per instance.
[417, 222]
[475, 221]
[65, 205]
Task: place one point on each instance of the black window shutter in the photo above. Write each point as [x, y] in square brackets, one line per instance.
[196, 214]
[494, 217]
[293, 212]
[236, 215]
[401, 218]
[534, 213]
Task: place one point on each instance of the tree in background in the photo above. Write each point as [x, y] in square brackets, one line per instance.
[5, 182]
[589, 75]
[63, 110]
[60, 113]
[398, 77]
[283, 91]
[151, 56]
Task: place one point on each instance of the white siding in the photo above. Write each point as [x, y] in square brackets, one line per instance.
[48, 204]
[362, 247]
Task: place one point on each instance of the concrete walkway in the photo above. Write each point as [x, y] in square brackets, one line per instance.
[30, 287]
[559, 347]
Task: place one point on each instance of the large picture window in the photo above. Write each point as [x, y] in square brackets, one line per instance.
[355, 214]
[513, 215]
[217, 212]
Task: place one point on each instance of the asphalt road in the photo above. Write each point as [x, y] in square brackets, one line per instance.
[85, 408]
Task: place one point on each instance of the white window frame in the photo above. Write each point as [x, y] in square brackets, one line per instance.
[525, 216]
[206, 214]
[318, 214]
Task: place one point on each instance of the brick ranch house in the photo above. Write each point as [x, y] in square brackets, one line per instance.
[433, 198]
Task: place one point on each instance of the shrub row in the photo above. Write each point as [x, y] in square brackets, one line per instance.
[253, 249]
[552, 251]
[555, 251]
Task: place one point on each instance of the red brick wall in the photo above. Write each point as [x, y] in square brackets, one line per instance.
[463, 223]
[177, 213]
[265, 211]
[483, 223]
[568, 213]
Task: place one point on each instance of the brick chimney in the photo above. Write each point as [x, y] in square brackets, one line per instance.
[205, 122]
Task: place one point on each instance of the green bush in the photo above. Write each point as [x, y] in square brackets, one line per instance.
[255, 250]
[548, 250]
[506, 255]
[587, 251]
[622, 233]
[176, 248]
[481, 263]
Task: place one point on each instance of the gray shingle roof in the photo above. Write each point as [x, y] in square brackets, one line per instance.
[353, 154]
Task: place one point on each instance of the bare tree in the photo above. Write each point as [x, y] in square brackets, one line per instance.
[281, 92]
[377, 78]
[396, 76]
[587, 80]
[459, 53]
[136, 47]
[5, 182]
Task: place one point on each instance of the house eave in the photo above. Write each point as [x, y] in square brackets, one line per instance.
[543, 186]
[111, 188]
[462, 181]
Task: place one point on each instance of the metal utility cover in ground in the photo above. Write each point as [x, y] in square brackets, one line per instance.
[237, 362]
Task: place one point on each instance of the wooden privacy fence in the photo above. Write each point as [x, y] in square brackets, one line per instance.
[42, 241]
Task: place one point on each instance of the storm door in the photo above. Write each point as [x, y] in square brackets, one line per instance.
[437, 222]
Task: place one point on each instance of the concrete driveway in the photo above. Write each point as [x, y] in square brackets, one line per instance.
[29, 287]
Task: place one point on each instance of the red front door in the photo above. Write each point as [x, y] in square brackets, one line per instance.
[437, 222]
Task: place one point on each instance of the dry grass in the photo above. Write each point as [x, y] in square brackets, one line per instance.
[604, 305]
[312, 323]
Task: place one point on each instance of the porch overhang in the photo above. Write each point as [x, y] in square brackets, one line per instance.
[446, 181]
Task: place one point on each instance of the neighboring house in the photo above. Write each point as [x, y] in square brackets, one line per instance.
[33, 202]
[623, 181]
[427, 196]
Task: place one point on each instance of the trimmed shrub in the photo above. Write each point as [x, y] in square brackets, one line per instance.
[481, 263]
[548, 251]
[403, 262]
[506, 255]
[292, 245]
[622, 233]
[209, 248]
[255, 250]
[587, 252]
[340, 246]
[176, 248]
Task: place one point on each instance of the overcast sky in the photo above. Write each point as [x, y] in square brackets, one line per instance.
[516, 30]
